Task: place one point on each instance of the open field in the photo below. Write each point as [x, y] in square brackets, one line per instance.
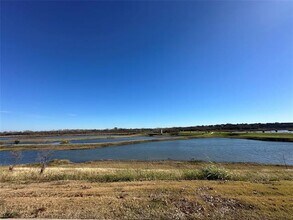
[162, 189]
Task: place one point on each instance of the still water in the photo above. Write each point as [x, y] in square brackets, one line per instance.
[207, 149]
[109, 139]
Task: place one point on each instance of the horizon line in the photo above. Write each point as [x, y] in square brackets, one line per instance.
[146, 128]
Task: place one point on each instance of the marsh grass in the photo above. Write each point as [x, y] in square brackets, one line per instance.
[213, 172]
[252, 135]
[10, 214]
[146, 190]
[125, 173]
[90, 174]
[210, 172]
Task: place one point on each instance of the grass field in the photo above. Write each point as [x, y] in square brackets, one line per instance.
[288, 137]
[136, 190]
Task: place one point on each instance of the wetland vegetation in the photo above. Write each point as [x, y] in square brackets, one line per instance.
[166, 189]
[58, 188]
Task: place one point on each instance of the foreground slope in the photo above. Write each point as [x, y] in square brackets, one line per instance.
[136, 190]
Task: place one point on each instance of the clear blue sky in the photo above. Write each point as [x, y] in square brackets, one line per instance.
[145, 64]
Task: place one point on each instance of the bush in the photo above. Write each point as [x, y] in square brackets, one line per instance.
[9, 214]
[16, 142]
[213, 172]
[64, 142]
[191, 175]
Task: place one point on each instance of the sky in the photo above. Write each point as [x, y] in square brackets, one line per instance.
[132, 64]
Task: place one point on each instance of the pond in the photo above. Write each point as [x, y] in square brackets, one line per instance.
[5, 138]
[206, 149]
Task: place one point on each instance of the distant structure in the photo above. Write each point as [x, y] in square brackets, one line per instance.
[161, 131]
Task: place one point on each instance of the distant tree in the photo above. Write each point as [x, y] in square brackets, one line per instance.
[44, 157]
[16, 157]
[284, 160]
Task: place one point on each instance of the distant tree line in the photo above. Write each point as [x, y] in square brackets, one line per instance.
[236, 127]
[125, 131]
[117, 131]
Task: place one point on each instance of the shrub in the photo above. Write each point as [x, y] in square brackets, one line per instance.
[16, 142]
[213, 172]
[16, 157]
[64, 142]
[191, 175]
[9, 214]
[44, 157]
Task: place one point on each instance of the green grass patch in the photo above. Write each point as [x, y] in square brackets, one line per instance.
[288, 137]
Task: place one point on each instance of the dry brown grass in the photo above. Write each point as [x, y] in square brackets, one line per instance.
[149, 200]
[144, 171]
[84, 195]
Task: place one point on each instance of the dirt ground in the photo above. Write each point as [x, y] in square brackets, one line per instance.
[148, 200]
[71, 190]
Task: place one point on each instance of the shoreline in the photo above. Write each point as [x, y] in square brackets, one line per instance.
[18, 147]
[147, 190]
[82, 146]
[66, 162]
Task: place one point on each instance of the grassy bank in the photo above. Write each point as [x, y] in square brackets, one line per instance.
[79, 146]
[51, 139]
[147, 190]
[286, 137]
[105, 171]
